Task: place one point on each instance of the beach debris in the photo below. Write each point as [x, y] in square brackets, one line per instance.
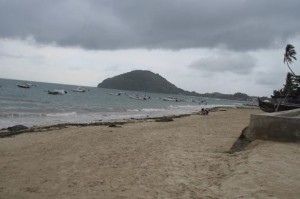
[164, 119]
[114, 125]
[13, 130]
[17, 128]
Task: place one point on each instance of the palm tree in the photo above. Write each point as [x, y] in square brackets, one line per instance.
[289, 55]
[290, 84]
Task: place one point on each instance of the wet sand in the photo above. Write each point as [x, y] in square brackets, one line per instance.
[184, 158]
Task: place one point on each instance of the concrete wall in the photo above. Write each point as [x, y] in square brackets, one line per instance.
[282, 126]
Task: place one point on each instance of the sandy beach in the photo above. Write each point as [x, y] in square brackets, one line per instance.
[184, 158]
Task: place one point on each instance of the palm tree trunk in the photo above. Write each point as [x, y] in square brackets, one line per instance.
[291, 69]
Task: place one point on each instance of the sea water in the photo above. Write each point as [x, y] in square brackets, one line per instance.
[34, 106]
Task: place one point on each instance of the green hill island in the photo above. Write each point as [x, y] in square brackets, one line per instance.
[147, 81]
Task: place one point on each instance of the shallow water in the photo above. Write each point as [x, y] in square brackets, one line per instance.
[34, 106]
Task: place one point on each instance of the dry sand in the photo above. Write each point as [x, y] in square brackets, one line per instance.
[186, 158]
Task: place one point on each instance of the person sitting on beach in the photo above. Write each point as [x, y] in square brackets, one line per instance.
[204, 111]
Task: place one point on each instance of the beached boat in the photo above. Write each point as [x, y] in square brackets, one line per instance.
[268, 106]
[57, 92]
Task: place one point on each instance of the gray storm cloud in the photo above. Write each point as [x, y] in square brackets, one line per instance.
[153, 24]
[238, 63]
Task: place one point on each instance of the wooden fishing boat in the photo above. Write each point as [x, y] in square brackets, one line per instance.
[268, 106]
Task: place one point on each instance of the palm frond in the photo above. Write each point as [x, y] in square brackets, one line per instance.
[289, 54]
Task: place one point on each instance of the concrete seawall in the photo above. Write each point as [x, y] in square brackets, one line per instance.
[278, 126]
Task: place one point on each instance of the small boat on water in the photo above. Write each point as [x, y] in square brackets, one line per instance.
[117, 94]
[79, 90]
[57, 92]
[199, 101]
[137, 97]
[169, 99]
[24, 85]
[174, 99]
[270, 107]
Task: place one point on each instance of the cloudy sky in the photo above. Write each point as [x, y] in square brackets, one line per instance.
[222, 46]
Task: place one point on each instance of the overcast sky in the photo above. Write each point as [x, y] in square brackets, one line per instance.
[222, 46]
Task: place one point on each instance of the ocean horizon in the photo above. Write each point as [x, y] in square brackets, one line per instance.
[35, 106]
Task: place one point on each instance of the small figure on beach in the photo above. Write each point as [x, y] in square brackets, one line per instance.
[204, 111]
